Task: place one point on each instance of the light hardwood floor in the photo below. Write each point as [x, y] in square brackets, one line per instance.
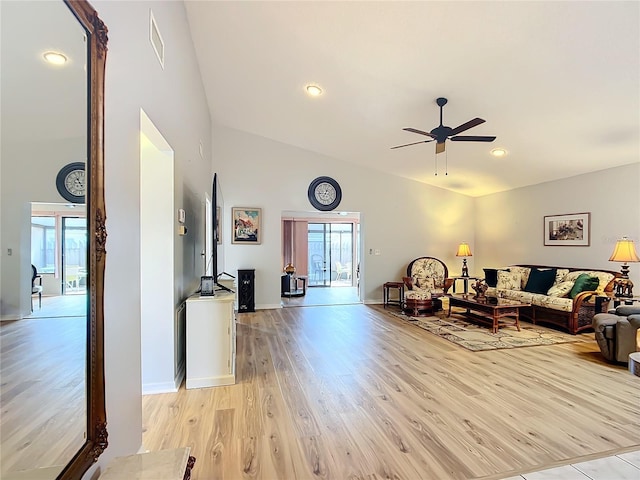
[42, 394]
[347, 392]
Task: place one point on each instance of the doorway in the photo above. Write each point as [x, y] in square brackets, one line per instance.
[324, 248]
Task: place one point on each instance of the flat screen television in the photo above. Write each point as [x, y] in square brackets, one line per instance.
[216, 202]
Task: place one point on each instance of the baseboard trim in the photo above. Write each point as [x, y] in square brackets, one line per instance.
[154, 388]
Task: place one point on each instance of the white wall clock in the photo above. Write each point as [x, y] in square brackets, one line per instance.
[324, 194]
[71, 183]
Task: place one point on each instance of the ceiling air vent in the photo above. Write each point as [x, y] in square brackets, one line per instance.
[156, 39]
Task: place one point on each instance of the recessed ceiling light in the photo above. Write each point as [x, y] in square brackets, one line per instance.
[55, 58]
[498, 152]
[314, 90]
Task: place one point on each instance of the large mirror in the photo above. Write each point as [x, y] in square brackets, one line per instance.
[52, 239]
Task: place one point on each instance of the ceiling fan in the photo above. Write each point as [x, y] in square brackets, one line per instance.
[442, 133]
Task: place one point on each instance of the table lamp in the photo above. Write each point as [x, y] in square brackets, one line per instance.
[464, 251]
[624, 251]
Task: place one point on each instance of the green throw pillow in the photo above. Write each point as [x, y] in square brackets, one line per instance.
[584, 283]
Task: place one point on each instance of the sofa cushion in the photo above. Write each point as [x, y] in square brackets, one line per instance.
[509, 280]
[516, 295]
[540, 280]
[561, 273]
[491, 276]
[584, 283]
[422, 283]
[428, 268]
[524, 274]
[556, 303]
[561, 289]
[603, 277]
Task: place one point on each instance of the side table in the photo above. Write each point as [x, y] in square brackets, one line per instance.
[385, 294]
[465, 281]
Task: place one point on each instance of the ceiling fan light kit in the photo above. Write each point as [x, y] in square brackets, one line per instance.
[442, 133]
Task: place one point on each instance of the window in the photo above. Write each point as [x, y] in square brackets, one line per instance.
[43, 243]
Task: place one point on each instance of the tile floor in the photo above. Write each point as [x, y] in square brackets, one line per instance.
[625, 466]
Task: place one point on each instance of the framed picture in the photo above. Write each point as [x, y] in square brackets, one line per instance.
[218, 222]
[246, 225]
[206, 286]
[572, 229]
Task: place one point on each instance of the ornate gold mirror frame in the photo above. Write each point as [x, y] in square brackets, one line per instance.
[96, 440]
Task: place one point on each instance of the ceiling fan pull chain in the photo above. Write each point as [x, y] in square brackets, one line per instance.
[446, 163]
[435, 163]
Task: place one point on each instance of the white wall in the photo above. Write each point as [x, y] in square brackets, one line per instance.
[509, 225]
[28, 174]
[174, 99]
[402, 218]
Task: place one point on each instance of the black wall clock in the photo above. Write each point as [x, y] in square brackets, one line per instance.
[324, 193]
[71, 183]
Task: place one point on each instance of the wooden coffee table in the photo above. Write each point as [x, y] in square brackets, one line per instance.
[491, 309]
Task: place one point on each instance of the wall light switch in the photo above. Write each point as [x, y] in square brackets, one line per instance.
[9, 251]
[181, 215]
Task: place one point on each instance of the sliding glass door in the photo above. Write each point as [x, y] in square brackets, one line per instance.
[74, 255]
[330, 247]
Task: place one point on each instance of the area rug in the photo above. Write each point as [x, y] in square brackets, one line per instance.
[478, 337]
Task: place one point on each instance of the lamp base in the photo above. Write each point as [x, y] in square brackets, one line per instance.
[465, 269]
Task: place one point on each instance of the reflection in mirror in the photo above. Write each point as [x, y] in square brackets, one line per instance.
[52, 243]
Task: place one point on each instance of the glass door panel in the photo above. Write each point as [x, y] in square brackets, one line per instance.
[319, 252]
[341, 235]
[330, 248]
[74, 255]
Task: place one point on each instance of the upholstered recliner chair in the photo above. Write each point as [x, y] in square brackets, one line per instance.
[616, 332]
[426, 280]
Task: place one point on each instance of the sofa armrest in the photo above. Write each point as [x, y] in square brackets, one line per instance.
[584, 298]
[634, 321]
[602, 320]
[448, 282]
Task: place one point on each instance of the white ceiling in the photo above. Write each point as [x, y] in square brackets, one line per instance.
[558, 83]
[40, 101]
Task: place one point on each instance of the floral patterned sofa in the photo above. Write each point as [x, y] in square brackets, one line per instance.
[556, 306]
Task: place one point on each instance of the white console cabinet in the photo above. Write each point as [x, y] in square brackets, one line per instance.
[211, 340]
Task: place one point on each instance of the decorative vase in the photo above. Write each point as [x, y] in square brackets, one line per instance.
[480, 287]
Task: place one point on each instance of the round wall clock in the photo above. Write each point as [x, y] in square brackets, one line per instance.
[70, 182]
[324, 193]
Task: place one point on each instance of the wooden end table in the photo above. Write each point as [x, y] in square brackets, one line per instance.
[385, 294]
[494, 309]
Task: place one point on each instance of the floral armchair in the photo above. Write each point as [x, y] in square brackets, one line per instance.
[427, 277]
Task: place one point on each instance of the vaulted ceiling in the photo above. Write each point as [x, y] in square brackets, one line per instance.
[558, 83]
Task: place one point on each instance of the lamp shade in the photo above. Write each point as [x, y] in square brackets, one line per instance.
[624, 251]
[463, 250]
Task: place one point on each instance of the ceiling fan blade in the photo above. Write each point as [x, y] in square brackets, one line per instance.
[414, 143]
[466, 126]
[415, 130]
[471, 138]
[439, 147]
